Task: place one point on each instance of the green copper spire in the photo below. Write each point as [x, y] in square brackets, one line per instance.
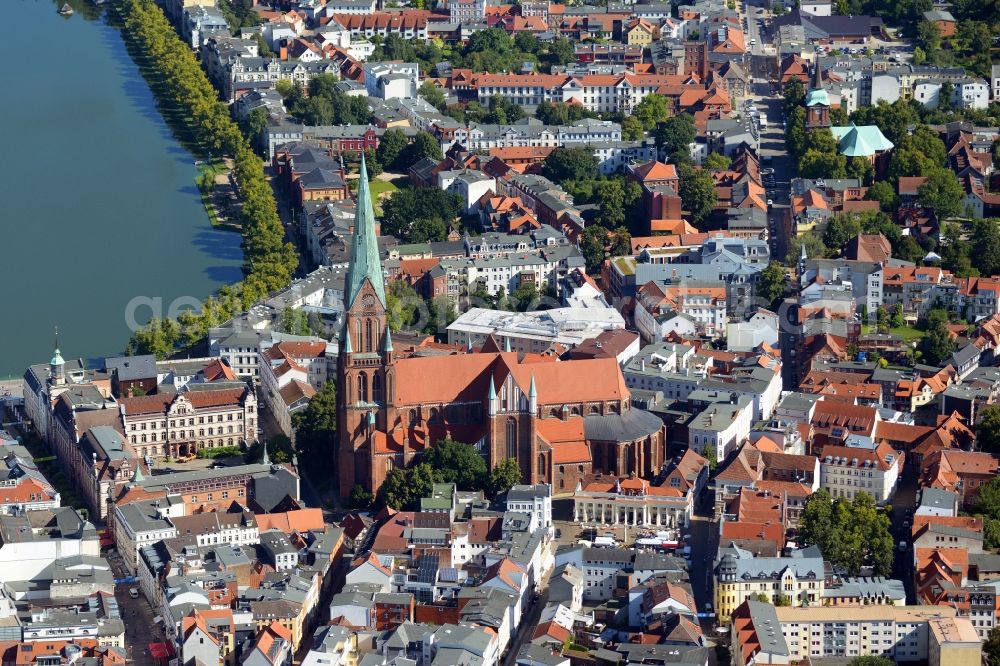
[506, 344]
[388, 340]
[365, 261]
[532, 392]
[493, 389]
[137, 476]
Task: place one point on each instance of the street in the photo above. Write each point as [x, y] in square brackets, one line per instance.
[137, 614]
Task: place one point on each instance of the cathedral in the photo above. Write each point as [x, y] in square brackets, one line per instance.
[562, 421]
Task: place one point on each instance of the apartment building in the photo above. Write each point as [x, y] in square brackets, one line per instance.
[861, 466]
[799, 580]
[901, 633]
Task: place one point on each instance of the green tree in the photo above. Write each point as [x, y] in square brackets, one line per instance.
[316, 430]
[405, 206]
[850, 534]
[428, 229]
[594, 246]
[817, 164]
[564, 164]
[884, 193]
[942, 193]
[871, 660]
[794, 95]
[294, 322]
[611, 202]
[897, 317]
[391, 146]
[402, 305]
[255, 123]
[984, 248]
[926, 141]
[403, 488]
[651, 111]
[632, 129]
[761, 597]
[458, 463]
[717, 162]
[697, 191]
[424, 145]
[432, 95]
[561, 51]
[504, 476]
[279, 449]
[929, 38]
[988, 439]
[936, 345]
[813, 243]
[711, 455]
[620, 242]
[840, 230]
[675, 135]
[772, 283]
[525, 297]
[991, 648]
[360, 498]
[795, 131]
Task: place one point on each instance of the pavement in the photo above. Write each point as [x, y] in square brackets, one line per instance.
[529, 620]
[138, 616]
[903, 501]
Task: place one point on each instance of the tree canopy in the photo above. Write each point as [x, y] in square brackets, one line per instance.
[674, 136]
[565, 164]
[697, 191]
[316, 429]
[458, 463]
[404, 208]
[850, 534]
[268, 261]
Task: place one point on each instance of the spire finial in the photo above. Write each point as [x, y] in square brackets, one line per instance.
[388, 340]
[532, 392]
[506, 343]
[267, 458]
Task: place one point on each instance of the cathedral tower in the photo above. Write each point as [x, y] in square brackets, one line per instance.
[364, 387]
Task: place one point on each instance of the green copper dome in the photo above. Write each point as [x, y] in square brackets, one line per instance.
[817, 97]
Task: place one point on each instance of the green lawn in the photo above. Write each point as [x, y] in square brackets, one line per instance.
[908, 333]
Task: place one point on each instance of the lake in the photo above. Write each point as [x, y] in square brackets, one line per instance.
[99, 202]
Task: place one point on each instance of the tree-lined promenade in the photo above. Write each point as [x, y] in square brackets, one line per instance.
[178, 81]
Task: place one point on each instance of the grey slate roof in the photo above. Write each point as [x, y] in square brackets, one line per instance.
[632, 424]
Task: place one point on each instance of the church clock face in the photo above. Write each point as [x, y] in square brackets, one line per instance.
[368, 302]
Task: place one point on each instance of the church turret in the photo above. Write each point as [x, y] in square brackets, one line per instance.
[57, 366]
[817, 103]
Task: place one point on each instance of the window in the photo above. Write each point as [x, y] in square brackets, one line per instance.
[376, 388]
[511, 438]
[362, 387]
